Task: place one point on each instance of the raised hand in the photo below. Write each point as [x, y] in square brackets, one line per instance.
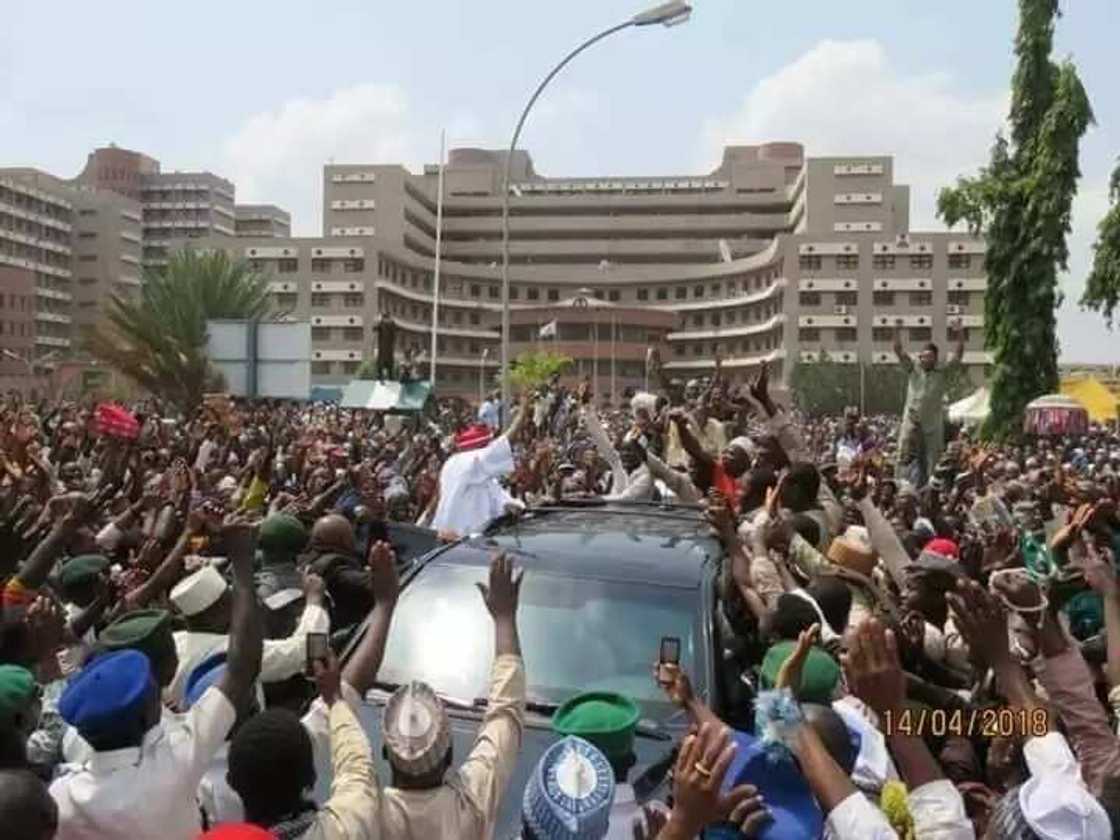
[383, 577]
[504, 589]
[872, 667]
[789, 675]
[981, 621]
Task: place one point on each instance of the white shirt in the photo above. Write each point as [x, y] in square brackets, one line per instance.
[70, 658]
[937, 809]
[281, 658]
[469, 493]
[145, 791]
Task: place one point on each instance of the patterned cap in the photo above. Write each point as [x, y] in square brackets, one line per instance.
[570, 793]
[416, 729]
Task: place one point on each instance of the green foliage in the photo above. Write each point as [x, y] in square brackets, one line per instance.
[158, 339]
[1102, 288]
[824, 387]
[534, 368]
[367, 370]
[1021, 202]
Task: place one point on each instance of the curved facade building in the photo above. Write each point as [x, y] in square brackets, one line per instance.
[771, 257]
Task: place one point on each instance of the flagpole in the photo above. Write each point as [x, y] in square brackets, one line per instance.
[614, 379]
[439, 254]
[595, 353]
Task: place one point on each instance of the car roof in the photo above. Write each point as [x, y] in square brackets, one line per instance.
[664, 545]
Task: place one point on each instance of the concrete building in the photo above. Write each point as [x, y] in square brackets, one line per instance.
[772, 257]
[174, 205]
[262, 220]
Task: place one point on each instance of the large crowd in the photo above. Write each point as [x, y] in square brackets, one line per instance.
[927, 628]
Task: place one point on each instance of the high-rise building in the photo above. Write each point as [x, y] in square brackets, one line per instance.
[263, 220]
[772, 257]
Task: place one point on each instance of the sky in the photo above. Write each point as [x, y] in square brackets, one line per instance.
[265, 93]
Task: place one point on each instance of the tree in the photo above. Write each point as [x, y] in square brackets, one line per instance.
[534, 368]
[1021, 203]
[1102, 289]
[159, 339]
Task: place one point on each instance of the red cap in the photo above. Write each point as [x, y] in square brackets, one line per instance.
[472, 437]
[237, 831]
[944, 547]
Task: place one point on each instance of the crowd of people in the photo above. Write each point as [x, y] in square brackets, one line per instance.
[926, 629]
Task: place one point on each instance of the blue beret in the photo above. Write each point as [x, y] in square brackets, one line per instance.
[107, 693]
[204, 675]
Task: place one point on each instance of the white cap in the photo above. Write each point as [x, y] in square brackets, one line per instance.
[873, 767]
[416, 730]
[1054, 800]
[282, 598]
[199, 591]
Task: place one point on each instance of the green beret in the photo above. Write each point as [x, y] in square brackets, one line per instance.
[282, 533]
[819, 676]
[148, 631]
[82, 569]
[17, 690]
[1086, 614]
[605, 719]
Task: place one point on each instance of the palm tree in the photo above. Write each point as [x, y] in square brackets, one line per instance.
[159, 339]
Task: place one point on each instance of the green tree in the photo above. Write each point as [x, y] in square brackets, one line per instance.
[1021, 203]
[158, 339]
[367, 370]
[1102, 289]
[534, 368]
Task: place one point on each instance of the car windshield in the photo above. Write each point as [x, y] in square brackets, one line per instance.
[577, 634]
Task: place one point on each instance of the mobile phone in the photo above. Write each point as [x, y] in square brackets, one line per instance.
[318, 650]
[669, 654]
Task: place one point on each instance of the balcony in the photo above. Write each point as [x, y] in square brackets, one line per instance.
[52, 317]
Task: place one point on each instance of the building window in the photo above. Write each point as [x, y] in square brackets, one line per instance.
[920, 334]
[716, 288]
[534, 294]
[958, 298]
[809, 262]
[716, 320]
[474, 318]
[643, 294]
[848, 262]
[287, 266]
[921, 298]
[553, 295]
[808, 335]
[320, 299]
[809, 298]
[350, 367]
[351, 333]
[321, 266]
[354, 266]
[960, 261]
[476, 290]
[320, 333]
[598, 294]
[921, 261]
[321, 368]
[662, 294]
[846, 335]
[680, 293]
[493, 292]
[613, 295]
[87, 234]
[882, 334]
[698, 350]
[353, 300]
[456, 317]
[698, 320]
[514, 292]
[881, 261]
[846, 298]
[882, 298]
[731, 316]
[88, 258]
[698, 291]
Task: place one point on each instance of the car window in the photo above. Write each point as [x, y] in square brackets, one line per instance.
[577, 635]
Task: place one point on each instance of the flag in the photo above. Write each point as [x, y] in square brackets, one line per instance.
[548, 330]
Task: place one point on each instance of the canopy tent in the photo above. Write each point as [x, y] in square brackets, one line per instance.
[1097, 399]
[1056, 414]
[386, 396]
[973, 409]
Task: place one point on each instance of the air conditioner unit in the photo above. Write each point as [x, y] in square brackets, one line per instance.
[953, 309]
[839, 310]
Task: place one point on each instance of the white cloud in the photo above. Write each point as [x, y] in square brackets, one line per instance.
[277, 156]
[845, 97]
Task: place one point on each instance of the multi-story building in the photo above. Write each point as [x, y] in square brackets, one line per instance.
[36, 278]
[772, 257]
[262, 220]
[174, 205]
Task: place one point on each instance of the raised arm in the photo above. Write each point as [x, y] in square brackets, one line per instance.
[246, 639]
[956, 328]
[605, 448]
[361, 669]
[688, 440]
[903, 358]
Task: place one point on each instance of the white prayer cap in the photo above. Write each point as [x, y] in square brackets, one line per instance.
[227, 484]
[199, 591]
[874, 766]
[416, 730]
[1054, 800]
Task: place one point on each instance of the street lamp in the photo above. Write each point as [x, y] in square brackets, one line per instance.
[666, 14]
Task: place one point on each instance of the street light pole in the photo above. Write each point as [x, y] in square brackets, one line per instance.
[667, 14]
